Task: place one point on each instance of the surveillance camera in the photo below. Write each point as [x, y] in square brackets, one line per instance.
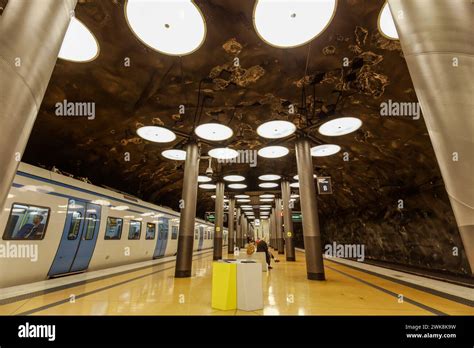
[209, 172]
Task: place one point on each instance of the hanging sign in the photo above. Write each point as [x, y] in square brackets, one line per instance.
[324, 185]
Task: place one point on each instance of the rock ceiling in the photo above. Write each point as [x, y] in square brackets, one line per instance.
[387, 156]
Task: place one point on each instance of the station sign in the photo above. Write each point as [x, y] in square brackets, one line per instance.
[211, 216]
[296, 216]
[324, 185]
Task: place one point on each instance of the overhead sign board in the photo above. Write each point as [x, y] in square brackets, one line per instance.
[324, 185]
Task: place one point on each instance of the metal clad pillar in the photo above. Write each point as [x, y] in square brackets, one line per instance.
[219, 222]
[274, 230]
[31, 34]
[238, 220]
[437, 42]
[184, 256]
[288, 222]
[309, 211]
[278, 212]
[230, 224]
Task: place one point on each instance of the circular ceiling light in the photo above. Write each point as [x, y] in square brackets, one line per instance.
[325, 150]
[156, 134]
[273, 151]
[385, 23]
[79, 44]
[276, 129]
[263, 207]
[243, 200]
[292, 23]
[269, 177]
[267, 195]
[294, 195]
[213, 131]
[207, 186]
[234, 178]
[203, 178]
[268, 184]
[214, 197]
[266, 199]
[173, 154]
[297, 178]
[340, 126]
[242, 196]
[223, 153]
[295, 184]
[175, 28]
[237, 186]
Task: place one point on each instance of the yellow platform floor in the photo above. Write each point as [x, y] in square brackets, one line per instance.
[155, 291]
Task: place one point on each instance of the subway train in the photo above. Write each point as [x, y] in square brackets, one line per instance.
[54, 225]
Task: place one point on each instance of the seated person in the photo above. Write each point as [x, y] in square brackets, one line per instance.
[263, 247]
[32, 231]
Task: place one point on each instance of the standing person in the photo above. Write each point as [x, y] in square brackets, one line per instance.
[263, 247]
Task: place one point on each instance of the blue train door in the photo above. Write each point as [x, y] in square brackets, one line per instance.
[162, 240]
[201, 237]
[78, 238]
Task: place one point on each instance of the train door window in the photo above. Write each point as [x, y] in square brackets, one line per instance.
[113, 229]
[26, 222]
[196, 233]
[91, 221]
[174, 232]
[74, 225]
[134, 230]
[150, 231]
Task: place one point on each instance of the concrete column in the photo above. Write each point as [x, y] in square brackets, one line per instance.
[288, 228]
[279, 227]
[31, 34]
[274, 230]
[219, 222]
[230, 225]
[309, 211]
[184, 256]
[238, 220]
[437, 42]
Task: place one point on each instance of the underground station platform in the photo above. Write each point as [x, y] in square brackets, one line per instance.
[248, 172]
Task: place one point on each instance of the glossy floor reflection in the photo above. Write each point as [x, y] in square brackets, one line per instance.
[155, 291]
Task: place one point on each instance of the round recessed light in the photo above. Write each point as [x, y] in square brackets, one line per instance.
[242, 196]
[276, 129]
[273, 151]
[295, 184]
[156, 134]
[292, 23]
[175, 28]
[294, 195]
[269, 177]
[340, 126]
[297, 178]
[214, 197]
[243, 200]
[386, 24]
[223, 153]
[213, 131]
[268, 184]
[246, 208]
[207, 186]
[79, 44]
[173, 154]
[237, 186]
[325, 150]
[234, 178]
[265, 208]
[266, 199]
[267, 195]
[203, 178]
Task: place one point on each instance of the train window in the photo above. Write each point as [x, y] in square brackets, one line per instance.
[150, 231]
[26, 222]
[134, 230]
[91, 221]
[114, 228]
[74, 225]
[174, 232]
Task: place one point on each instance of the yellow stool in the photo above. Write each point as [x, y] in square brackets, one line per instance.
[224, 285]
